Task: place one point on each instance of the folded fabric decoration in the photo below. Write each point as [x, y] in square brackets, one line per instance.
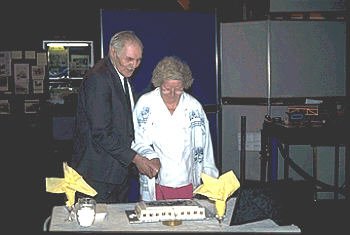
[71, 183]
[218, 190]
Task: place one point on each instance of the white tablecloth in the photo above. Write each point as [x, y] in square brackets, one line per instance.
[117, 221]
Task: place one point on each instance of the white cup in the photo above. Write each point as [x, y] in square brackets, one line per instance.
[86, 211]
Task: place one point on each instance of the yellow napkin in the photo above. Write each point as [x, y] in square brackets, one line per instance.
[218, 190]
[71, 183]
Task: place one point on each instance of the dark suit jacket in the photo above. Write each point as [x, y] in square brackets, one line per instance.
[103, 127]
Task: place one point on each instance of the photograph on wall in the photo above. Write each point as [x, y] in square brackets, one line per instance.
[31, 106]
[4, 84]
[16, 55]
[21, 72]
[5, 63]
[58, 62]
[22, 88]
[38, 72]
[41, 58]
[21, 77]
[38, 86]
[4, 107]
[79, 64]
[29, 55]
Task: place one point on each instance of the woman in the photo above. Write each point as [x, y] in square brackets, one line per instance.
[171, 125]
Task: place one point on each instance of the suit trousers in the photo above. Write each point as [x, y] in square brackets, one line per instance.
[111, 193]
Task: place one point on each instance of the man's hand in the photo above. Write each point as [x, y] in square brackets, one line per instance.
[146, 166]
[156, 165]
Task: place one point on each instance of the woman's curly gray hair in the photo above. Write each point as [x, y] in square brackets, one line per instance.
[172, 68]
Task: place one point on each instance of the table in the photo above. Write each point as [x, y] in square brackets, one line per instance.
[278, 137]
[117, 221]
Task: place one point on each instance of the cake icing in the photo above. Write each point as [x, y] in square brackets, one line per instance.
[164, 210]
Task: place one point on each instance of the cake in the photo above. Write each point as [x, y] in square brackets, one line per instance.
[165, 210]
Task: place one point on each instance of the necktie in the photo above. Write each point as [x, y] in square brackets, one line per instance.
[127, 96]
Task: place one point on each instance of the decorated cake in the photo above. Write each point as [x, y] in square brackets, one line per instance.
[165, 210]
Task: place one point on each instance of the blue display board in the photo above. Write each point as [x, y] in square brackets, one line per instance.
[188, 35]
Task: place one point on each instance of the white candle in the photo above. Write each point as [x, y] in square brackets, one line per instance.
[86, 216]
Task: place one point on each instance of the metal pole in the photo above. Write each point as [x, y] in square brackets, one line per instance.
[243, 145]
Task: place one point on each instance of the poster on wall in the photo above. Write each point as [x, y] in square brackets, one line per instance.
[5, 63]
[38, 86]
[79, 65]
[4, 107]
[38, 72]
[16, 55]
[4, 84]
[29, 55]
[58, 62]
[31, 106]
[21, 77]
[41, 58]
[38, 75]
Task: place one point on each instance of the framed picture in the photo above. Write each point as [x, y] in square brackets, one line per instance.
[4, 107]
[38, 86]
[38, 72]
[5, 63]
[4, 83]
[79, 65]
[21, 78]
[31, 106]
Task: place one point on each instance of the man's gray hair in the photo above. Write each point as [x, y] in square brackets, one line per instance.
[119, 40]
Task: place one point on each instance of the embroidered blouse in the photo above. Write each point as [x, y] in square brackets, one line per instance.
[181, 141]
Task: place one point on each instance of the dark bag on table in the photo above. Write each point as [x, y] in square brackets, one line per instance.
[284, 201]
